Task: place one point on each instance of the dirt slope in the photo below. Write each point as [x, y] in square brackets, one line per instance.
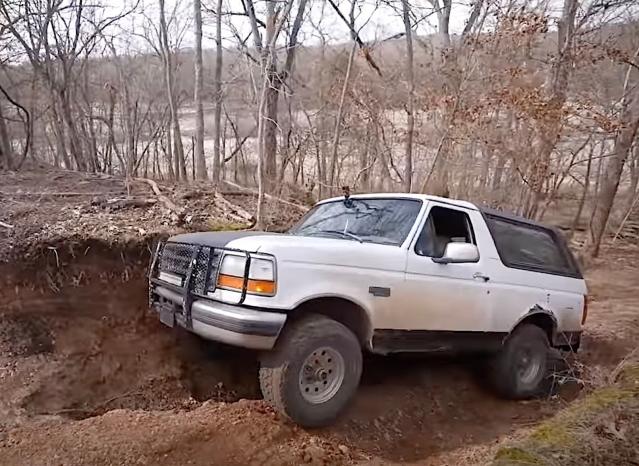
[88, 377]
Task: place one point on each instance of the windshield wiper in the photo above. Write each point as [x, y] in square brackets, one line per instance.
[341, 233]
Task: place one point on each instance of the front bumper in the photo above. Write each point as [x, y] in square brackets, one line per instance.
[232, 324]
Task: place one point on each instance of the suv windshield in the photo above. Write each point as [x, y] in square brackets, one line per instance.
[383, 221]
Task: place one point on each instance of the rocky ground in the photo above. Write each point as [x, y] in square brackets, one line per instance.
[88, 377]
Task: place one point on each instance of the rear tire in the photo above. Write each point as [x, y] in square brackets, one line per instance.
[520, 369]
[313, 372]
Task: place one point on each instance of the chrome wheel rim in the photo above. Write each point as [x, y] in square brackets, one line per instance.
[529, 365]
[321, 375]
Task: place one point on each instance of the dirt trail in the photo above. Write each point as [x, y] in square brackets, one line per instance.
[88, 377]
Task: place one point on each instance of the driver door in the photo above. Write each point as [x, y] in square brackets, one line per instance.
[445, 297]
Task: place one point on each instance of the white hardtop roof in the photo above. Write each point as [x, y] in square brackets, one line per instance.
[420, 197]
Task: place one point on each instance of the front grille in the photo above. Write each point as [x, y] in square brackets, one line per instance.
[175, 258]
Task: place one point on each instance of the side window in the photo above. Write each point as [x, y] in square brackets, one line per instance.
[528, 247]
[443, 226]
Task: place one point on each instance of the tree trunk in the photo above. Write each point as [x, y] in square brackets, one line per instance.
[74, 139]
[633, 166]
[338, 120]
[614, 167]
[271, 126]
[584, 194]
[217, 93]
[340, 109]
[169, 155]
[265, 121]
[410, 103]
[6, 153]
[178, 148]
[443, 21]
[200, 161]
[271, 82]
[60, 136]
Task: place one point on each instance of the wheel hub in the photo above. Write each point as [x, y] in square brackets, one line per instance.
[321, 375]
[528, 367]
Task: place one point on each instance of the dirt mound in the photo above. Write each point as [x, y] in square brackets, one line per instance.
[42, 208]
[243, 433]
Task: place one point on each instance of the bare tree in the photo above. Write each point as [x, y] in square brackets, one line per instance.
[200, 161]
[169, 78]
[443, 9]
[6, 152]
[342, 100]
[556, 89]
[410, 100]
[265, 135]
[217, 93]
[276, 77]
[624, 139]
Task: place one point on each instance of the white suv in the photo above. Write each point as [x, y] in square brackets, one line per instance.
[382, 273]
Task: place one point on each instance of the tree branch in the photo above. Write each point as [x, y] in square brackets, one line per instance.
[356, 38]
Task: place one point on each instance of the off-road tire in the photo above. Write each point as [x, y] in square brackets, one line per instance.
[280, 369]
[505, 371]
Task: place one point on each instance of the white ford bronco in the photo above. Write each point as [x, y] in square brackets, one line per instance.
[382, 273]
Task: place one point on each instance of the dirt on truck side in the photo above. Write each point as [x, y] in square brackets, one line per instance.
[89, 377]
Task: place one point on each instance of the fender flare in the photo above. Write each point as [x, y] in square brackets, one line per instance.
[354, 301]
[537, 310]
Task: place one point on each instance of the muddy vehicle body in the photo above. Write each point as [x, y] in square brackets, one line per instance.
[383, 273]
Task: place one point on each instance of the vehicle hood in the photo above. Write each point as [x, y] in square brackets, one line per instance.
[302, 249]
[221, 239]
[320, 250]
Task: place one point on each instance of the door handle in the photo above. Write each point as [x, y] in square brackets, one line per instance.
[480, 276]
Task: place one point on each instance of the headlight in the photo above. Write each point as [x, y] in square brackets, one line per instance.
[261, 275]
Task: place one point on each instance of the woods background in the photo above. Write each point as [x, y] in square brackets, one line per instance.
[527, 106]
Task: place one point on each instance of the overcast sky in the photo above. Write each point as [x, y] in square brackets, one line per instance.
[375, 21]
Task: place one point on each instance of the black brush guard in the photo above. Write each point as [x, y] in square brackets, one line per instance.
[198, 267]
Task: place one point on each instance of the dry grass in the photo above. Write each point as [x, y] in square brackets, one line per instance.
[602, 428]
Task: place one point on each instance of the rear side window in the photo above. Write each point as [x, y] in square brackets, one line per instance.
[530, 247]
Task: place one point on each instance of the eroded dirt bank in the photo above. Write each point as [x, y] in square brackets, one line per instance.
[77, 340]
[89, 377]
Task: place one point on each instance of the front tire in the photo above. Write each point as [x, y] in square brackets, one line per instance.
[520, 369]
[313, 372]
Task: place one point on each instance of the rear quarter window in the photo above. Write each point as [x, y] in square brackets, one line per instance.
[531, 247]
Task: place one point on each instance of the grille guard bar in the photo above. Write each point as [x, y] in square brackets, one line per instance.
[187, 289]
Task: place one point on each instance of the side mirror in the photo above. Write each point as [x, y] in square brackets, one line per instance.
[458, 253]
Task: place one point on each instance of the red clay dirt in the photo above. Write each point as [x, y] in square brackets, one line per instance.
[88, 377]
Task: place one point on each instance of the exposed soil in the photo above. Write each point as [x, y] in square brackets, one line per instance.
[49, 206]
[88, 377]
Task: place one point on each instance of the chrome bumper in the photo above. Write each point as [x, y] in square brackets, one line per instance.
[226, 323]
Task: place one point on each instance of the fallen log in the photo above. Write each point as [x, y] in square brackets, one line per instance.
[300, 207]
[177, 213]
[235, 211]
[124, 202]
[53, 194]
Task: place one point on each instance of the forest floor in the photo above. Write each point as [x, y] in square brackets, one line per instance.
[88, 377]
